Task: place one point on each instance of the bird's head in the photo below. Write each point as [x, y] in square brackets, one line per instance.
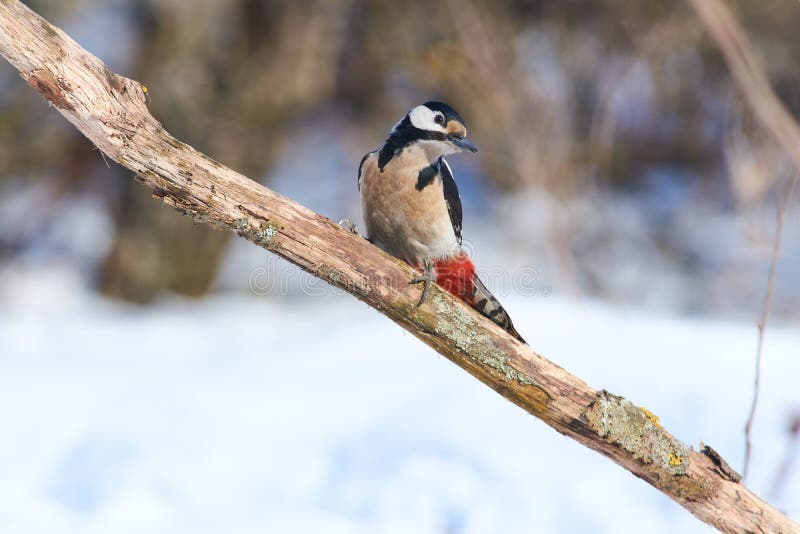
[437, 126]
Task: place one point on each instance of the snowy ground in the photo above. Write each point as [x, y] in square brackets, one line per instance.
[293, 414]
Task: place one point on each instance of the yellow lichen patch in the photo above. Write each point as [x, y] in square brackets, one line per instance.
[622, 423]
[650, 415]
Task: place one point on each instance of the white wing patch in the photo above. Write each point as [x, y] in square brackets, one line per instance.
[451, 198]
[422, 117]
[448, 166]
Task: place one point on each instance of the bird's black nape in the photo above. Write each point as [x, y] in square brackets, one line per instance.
[448, 112]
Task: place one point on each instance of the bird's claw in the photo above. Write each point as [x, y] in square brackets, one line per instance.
[427, 278]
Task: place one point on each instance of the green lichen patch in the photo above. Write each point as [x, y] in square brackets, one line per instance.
[200, 217]
[262, 235]
[621, 422]
[266, 233]
[331, 276]
[457, 324]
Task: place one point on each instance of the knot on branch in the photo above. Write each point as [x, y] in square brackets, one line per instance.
[51, 87]
[720, 466]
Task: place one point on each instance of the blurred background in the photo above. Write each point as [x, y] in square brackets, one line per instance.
[157, 373]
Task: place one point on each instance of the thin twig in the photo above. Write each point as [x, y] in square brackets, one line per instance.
[103, 156]
[782, 207]
[773, 116]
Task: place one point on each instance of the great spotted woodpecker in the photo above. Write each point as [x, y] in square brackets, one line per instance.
[412, 209]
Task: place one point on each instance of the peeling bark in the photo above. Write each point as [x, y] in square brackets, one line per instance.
[111, 111]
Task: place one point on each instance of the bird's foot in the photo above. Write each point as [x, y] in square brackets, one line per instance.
[427, 278]
[350, 226]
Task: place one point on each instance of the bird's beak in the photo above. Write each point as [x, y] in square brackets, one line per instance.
[463, 143]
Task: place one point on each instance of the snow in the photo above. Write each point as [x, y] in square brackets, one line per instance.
[294, 414]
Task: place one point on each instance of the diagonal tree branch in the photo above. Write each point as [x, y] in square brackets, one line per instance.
[110, 110]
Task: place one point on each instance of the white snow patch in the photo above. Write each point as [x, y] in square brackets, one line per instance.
[316, 414]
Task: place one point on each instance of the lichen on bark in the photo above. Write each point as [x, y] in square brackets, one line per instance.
[621, 422]
[456, 323]
[262, 235]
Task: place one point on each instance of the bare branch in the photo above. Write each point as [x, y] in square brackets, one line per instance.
[110, 110]
[773, 117]
[783, 205]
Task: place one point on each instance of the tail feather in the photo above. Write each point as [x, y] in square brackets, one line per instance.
[457, 275]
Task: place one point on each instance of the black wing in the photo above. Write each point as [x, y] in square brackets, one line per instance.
[451, 197]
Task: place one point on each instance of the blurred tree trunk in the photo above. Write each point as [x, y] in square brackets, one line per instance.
[231, 82]
[155, 249]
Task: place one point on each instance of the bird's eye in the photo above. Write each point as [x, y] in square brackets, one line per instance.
[438, 118]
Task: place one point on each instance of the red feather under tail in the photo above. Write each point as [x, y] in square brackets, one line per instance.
[457, 276]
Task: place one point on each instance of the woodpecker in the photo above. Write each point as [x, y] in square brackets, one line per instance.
[412, 209]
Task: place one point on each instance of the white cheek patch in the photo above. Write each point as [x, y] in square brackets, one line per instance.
[434, 149]
[422, 118]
